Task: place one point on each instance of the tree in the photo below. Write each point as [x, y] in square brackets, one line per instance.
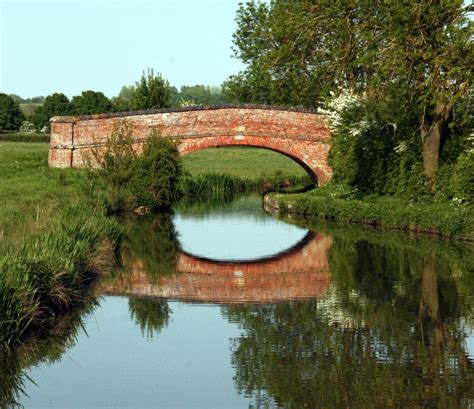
[151, 91]
[417, 53]
[126, 92]
[54, 105]
[11, 116]
[90, 102]
[199, 95]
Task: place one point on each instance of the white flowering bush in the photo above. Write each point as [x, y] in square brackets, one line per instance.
[27, 127]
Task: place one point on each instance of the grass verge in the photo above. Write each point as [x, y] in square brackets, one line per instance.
[442, 218]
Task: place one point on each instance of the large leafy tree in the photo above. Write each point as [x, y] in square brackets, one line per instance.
[54, 104]
[151, 91]
[418, 53]
[11, 116]
[90, 102]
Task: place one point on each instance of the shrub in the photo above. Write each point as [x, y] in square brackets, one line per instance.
[128, 179]
[463, 177]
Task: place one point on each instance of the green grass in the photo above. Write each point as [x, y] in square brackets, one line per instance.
[243, 162]
[443, 218]
[53, 240]
[24, 137]
[30, 192]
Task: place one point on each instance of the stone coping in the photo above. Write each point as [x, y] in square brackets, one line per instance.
[73, 119]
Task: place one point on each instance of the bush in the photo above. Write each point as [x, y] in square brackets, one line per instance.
[11, 116]
[128, 179]
[463, 177]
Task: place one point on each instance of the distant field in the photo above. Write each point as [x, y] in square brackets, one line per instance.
[244, 162]
[28, 108]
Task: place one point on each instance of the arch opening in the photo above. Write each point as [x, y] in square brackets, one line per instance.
[247, 148]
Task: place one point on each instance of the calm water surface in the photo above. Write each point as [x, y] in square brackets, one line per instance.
[228, 307]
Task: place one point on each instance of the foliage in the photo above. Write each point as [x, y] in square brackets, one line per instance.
[130, 179]
[56, 104]
[368, 151]
[90, 102]
[463, 177]
[199, 95]
[151, 91]
[334, 203]
[153, 243]
[391, 320]
[27, 127]
[418, 56]
[11, 116]
[151, 315]
[126, 92]
[20, 137]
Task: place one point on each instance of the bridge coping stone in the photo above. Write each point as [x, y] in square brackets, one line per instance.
[73, 119]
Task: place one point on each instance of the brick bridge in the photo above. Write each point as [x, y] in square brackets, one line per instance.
[301, 272]
[299, 134]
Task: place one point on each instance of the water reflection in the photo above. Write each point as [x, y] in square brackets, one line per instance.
[300, 272]
[45, 348]
[398, 341]
[363, 319]
[293, 264]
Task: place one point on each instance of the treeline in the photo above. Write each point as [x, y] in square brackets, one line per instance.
[396, 79]
[150, 91]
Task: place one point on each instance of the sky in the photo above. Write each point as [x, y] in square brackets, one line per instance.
[74, 45]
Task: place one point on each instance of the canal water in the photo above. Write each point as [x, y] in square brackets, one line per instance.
[226, 306]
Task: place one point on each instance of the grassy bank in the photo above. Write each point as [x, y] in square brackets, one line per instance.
[51, 248]
[443, 218]
[52, 272]
[31, 194]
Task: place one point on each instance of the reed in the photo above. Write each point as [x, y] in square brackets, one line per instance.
[52, 272]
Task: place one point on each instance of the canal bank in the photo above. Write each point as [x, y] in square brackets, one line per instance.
[277, 313]
[444, 219]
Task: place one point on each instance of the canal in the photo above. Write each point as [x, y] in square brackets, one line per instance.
[226, 306]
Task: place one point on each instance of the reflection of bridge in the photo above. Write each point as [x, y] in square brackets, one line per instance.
[300, 272]
[299, 134]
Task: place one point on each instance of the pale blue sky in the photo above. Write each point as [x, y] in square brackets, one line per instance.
[71, 46]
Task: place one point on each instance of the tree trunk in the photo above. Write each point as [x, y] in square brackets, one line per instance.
[432, 128]
[430, 303]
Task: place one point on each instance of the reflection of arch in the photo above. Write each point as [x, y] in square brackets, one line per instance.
[301, 273]
[304, 241]
[301, 135]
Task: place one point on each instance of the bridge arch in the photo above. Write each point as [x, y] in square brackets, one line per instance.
[315, 174]
[299, 134]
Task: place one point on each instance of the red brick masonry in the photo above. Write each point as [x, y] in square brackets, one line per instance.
[299, 134]
[303, 273]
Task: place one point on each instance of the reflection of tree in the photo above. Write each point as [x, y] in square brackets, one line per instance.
[47, 347]
[389, 334]
[153, 243]
[150, 314]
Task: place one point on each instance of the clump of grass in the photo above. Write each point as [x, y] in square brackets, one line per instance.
[216, 185]
[52, 272]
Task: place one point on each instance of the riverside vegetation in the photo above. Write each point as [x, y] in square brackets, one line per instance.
[56, 233]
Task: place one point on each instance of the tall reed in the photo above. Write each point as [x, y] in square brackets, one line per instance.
[52, 272]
